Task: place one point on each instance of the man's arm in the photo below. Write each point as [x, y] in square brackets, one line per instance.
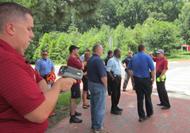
[43, 85]
[153, 57]
[131, 73]
[163, 72]
[152, 76]
[104, 81]
[52, 67]
[110, 74]
[165, 68]
[109, 67]
[152, 69]
[41, 113]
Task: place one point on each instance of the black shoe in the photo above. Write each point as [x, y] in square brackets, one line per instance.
[74, 119]
[160, 104]
[165, 108]
[119, 109]
[78, 114]
[88, 96]
[150, 115]
[142, 119]
[115, 112]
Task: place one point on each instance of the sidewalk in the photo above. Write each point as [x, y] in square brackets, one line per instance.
[174, 120]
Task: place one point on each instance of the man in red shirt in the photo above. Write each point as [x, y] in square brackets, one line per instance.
[161, 68]
[74, 61]
[25, 103]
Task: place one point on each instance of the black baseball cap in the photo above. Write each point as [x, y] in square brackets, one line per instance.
[73, 47]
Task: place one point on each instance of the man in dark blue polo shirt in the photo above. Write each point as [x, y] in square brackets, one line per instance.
[140, 66]
[97, 81]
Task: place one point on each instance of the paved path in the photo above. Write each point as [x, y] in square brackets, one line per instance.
[178, 78]
[175, 120]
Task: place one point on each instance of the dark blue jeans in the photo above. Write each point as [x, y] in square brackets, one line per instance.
[97, 101]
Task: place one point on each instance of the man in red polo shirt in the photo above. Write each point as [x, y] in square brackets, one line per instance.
[74, 61]
[161, 68]
[25, 103]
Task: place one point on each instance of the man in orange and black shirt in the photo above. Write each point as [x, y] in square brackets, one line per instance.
[161, 68]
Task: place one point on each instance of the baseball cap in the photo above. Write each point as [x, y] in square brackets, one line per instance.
[160, 51]
[73, 47]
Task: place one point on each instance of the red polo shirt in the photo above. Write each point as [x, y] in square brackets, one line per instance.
[19, 93]
[161, 64]
[74, 61]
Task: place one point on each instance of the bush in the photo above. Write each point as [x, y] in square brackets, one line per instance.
[153, 33]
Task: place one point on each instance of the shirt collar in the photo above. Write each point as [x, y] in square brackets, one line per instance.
[6, 47]
[116, 58]
[45, 59]
[142, 52]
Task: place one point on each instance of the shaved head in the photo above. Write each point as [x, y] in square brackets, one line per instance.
[11, 11]
[98, 49]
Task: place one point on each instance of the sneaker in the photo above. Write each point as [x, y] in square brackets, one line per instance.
[74, 119]
[88, 96]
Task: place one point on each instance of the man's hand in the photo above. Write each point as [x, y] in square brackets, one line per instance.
[131, 73]
[152, 80]
[65, 83]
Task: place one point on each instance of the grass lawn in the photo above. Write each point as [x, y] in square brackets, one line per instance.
[179, 55]
[62, 108]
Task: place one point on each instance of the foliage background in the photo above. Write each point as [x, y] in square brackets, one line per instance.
[116, 23]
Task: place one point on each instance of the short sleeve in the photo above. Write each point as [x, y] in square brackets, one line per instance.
[52, 65]
[165, 65]
[109, 65]
[101, 68]
[19, 88]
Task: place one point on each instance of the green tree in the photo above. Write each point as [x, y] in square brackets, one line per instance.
[160, 34]
[184, 19]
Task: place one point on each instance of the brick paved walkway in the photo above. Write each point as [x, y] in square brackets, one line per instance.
[175, 120]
